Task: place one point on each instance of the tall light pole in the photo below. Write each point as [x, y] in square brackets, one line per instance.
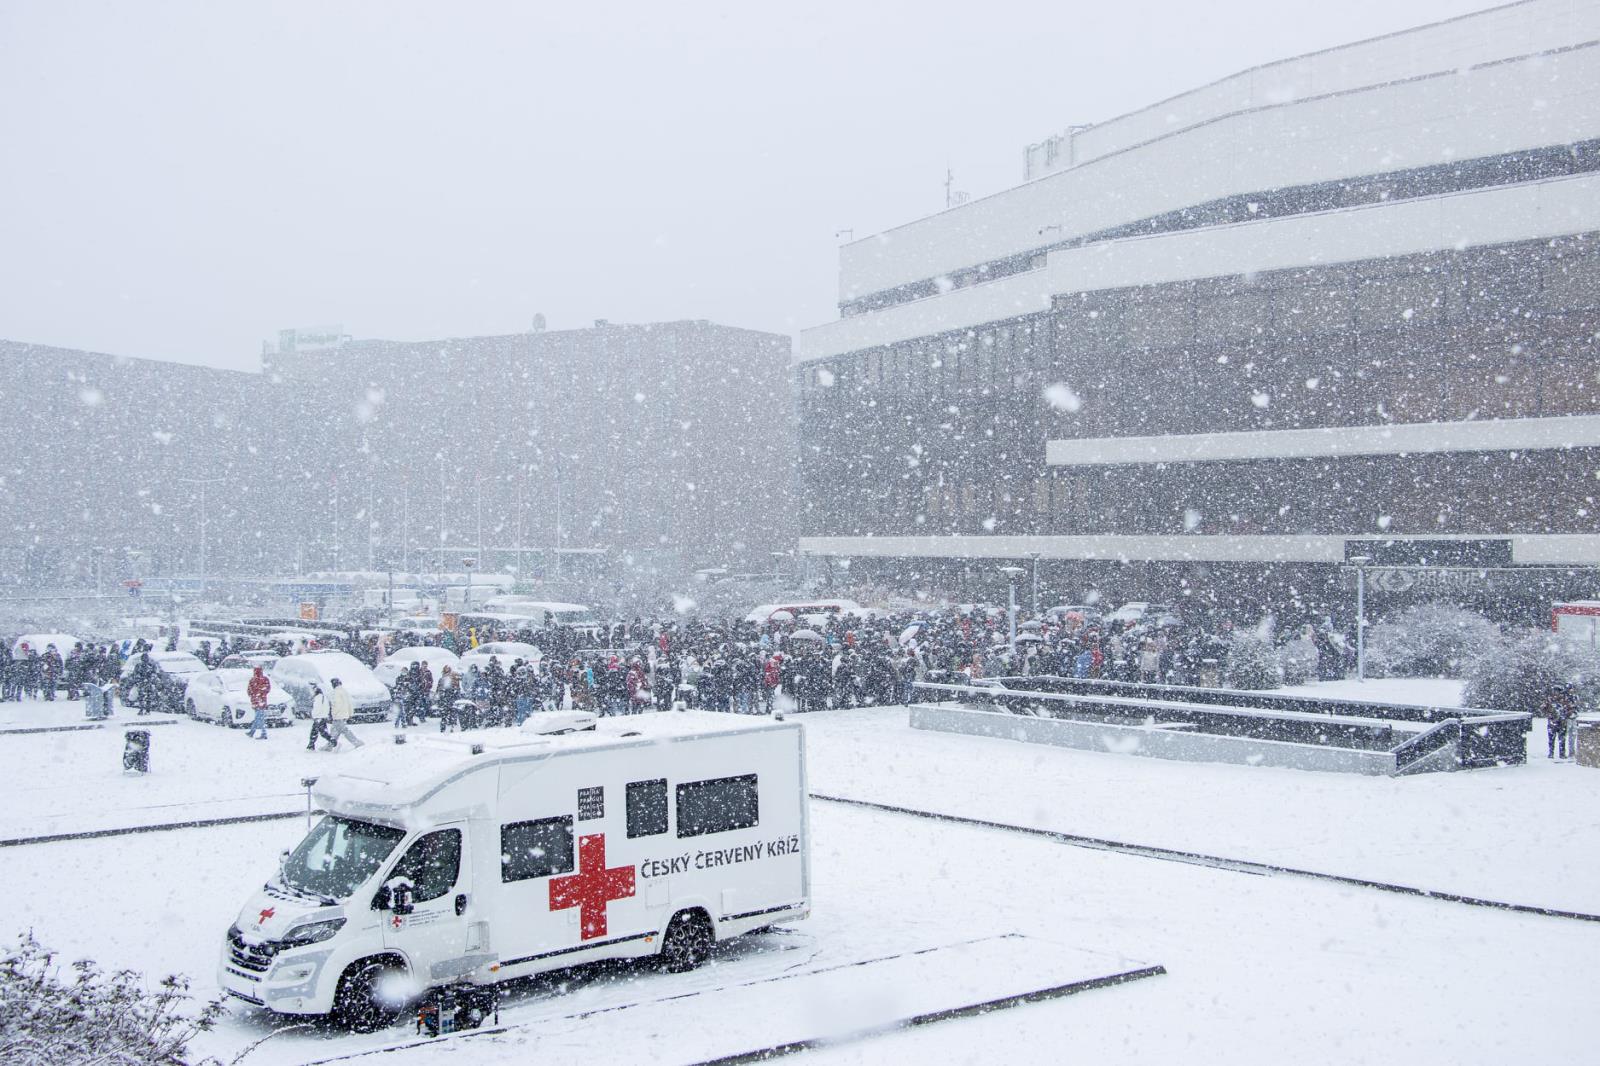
[405, 528]
[441, 517]
[1361, 562]
[202, 482]
[1035, 584]
[480, 516]
[1012, 573]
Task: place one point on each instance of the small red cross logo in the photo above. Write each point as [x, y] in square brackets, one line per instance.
[592, 887]
[266, 912]
[397, 921]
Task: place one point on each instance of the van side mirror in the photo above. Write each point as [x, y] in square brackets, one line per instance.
[396, 895]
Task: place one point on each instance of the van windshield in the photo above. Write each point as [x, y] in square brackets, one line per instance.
[338, 856]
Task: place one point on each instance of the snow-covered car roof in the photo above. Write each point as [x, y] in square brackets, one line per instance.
[425, 654]
[40, 641]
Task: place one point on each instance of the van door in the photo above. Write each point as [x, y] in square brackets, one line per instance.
[438, 936]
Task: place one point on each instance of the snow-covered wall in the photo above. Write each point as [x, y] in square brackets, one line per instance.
[1542, 100]
[1471, 40]
[1459, 220]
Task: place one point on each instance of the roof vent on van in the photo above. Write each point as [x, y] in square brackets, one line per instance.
[399, 738]
[477, 749]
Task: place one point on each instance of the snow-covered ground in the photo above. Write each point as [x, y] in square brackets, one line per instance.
[1260, 969]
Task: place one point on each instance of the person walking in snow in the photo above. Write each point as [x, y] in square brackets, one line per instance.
[319, 718]
[340, 709]
[257, 689]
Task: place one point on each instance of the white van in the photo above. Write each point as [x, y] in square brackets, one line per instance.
[481, 857]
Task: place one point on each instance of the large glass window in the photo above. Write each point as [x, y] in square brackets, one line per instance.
[718, 805]
[647, 807]
[431, 864]
[535, 849]
[338, 856]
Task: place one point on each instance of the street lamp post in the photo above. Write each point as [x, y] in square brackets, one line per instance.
[1012, 573]
[1361, 562]
[441, 517]
[1035, 584]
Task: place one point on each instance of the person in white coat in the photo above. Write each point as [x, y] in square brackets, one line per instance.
[339, 711]
[319, 718]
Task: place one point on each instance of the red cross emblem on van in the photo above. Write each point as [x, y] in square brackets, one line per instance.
[592, 887]
[266, 912]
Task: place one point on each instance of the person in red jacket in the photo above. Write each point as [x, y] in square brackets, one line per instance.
[258, 689]
[771, 678]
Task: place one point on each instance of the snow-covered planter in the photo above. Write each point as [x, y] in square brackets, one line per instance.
[1521, 669]
[87, 1015]
[1298, 661]
[1428, 640]
[1252, 663]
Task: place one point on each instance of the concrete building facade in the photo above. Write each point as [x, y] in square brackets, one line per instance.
[1342, 306]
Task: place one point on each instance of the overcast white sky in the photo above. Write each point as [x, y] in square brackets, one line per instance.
[181, 179]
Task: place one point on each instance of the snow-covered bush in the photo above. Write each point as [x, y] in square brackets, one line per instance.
[1428, 640]
[1252, 663]
[88, 1015]
[1522, 668]
[1298, 661]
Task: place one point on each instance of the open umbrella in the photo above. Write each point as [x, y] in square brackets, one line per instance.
[909, 633]
[1029, 637]
[781, 616]
[806, 634]
[1031, 627]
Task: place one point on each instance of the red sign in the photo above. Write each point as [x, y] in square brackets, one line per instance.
[266, 912]
[592, 887]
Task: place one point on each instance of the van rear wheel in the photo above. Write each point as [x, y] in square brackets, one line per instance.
[687, 943]
[358, 1004]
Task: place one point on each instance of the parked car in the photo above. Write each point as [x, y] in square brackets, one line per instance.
[507, 651]
[40, 641]
[220, 696]
[437, 659]
[174, 671]
[296, 673]
[1090, 616]
[245, 660]
[1153, 614]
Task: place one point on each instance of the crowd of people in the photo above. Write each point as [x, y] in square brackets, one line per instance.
[722, 664]
[42, 673]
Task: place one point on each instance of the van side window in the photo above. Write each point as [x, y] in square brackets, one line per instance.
[431, 864]
[535, 849]
[717, 805]
[647, 807]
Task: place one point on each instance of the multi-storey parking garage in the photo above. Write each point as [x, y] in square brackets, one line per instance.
[1346, 305]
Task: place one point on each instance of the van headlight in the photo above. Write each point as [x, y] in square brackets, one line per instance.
[310, 933]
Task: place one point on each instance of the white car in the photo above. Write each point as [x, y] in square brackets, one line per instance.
[295, 674]
[245, 660]
[507, 651]
[179, 666]
[40, 641]
[221, 696]
[437, 659]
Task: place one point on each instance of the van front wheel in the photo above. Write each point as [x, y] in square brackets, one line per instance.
[359, 1004]
[687, 943]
